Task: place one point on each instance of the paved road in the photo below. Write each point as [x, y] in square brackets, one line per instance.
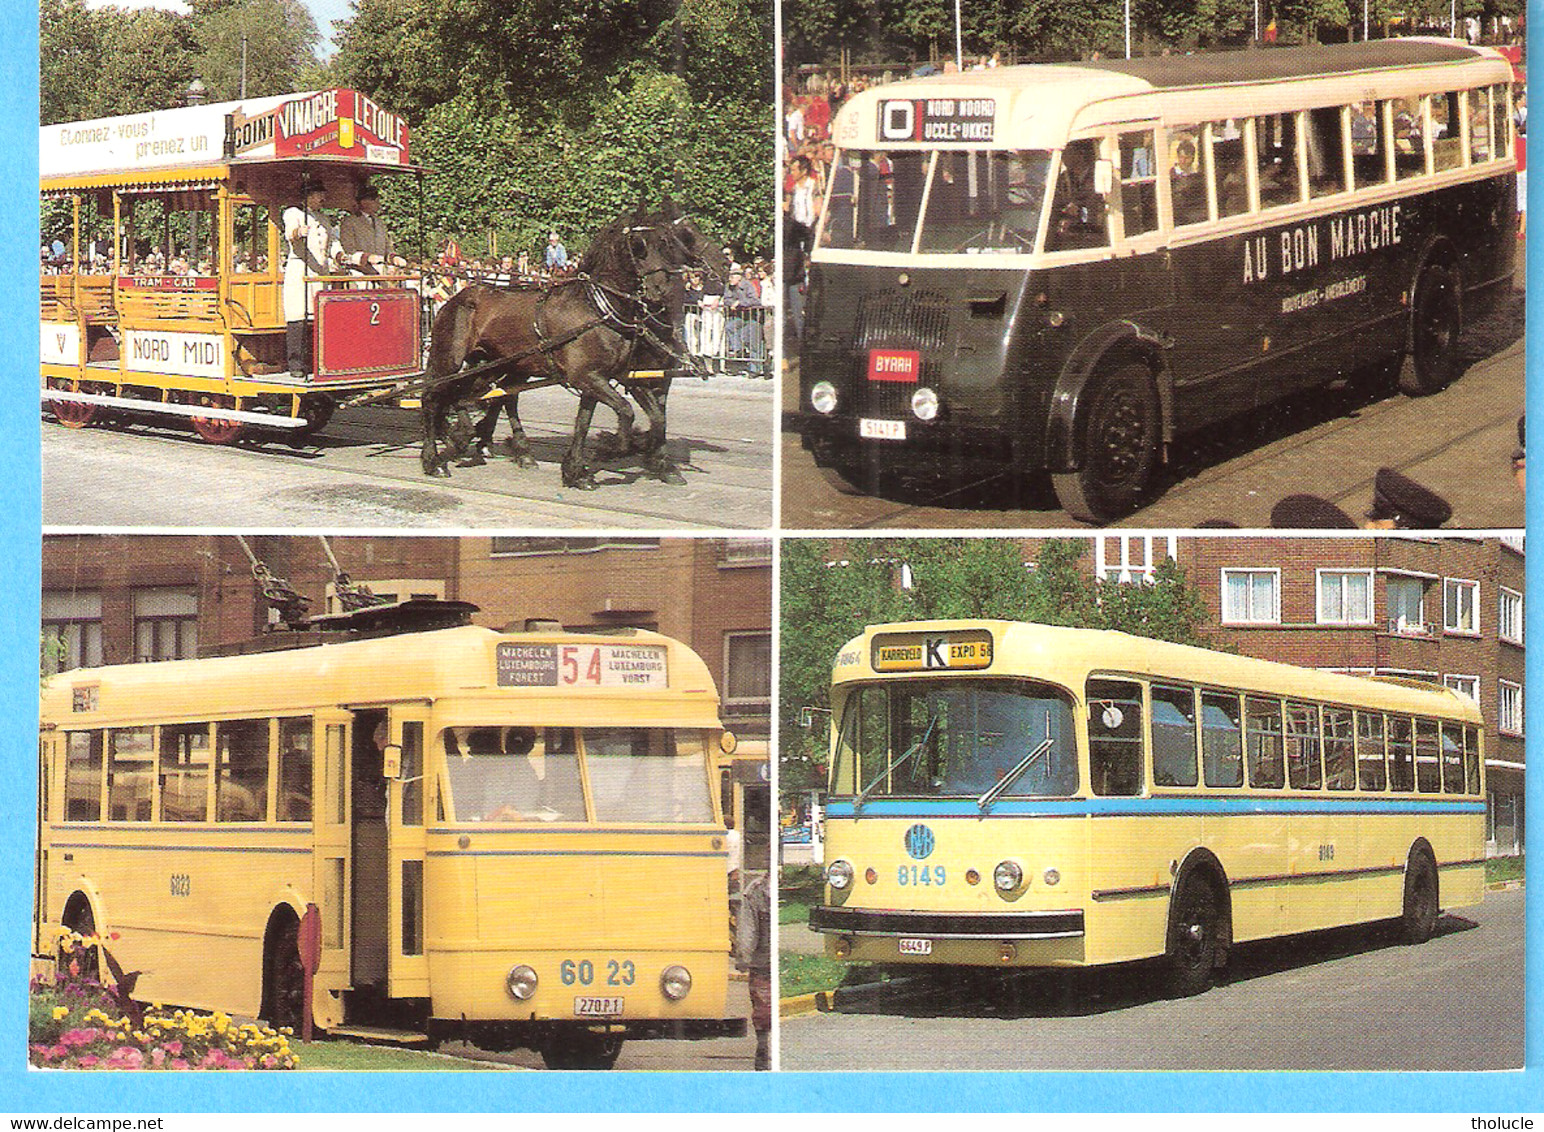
[1342, 1000]
[1330, 444]
[362, 471]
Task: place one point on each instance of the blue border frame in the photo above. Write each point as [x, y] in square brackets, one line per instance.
[23, 1090]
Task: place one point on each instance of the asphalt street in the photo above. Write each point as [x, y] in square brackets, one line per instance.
[1350, 999]
[362, 471]
[1329, 443]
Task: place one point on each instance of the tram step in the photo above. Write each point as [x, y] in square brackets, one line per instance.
[380, 1035]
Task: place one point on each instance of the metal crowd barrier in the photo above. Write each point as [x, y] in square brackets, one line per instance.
[730, 340]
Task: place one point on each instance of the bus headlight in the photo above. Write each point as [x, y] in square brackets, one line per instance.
[924, 403]
[823, 397]
[839, 874]
[675, 981]
[1007, 876]
[520, 982]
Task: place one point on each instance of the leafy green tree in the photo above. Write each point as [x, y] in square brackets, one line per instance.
[69, 49]
[281, 46]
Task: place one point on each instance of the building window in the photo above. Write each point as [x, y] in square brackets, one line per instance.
[1465, 686]
[1509, 710]
[388, 591]
[165, 624]
[1509, 616]
[746, 552]
[1407, 607]
[1461, 607]
[1251, 597]
[72, 631]
[1131, 558]
[516, 544]
[748, 671]
[1345, 597]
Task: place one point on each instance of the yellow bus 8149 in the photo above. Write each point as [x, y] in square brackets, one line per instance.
[1007, 794]
[508, 838]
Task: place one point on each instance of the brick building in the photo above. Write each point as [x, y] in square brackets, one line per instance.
[111, 599]
[1448, 610]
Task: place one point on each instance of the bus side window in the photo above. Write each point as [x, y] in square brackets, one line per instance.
[1138, 182]
[1078, 212]
[1452, 758]
[1371, 772]
[1229, 167]
[1187, 180]
[130, 775]
[1303, 769]
[1222, 750]
[873, 736]
[1115, 736]
[241, 775]
[294, 769]
[1276, 164]
[1339, 755]
[1471, 760]
[1262, 751]
[83, 777]
[1499, 121]
[1326, 151]
[1428, 774]
[1401, 754]
[845, 762]
[1480, 118]
[1174, 736]
[1447, 142]
[1369, 156]
[1409, 138]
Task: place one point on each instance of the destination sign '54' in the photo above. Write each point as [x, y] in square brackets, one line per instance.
[581, 665]
[964, 649]
[937, 119]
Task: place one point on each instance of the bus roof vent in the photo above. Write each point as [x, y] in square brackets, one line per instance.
[542, 625]
[416, 615]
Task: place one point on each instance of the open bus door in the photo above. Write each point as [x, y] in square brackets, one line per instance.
[407, 966]
[332, 863]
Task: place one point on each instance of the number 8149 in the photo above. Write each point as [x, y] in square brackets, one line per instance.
[919, 874]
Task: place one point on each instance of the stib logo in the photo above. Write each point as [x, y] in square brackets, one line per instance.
[919, 841]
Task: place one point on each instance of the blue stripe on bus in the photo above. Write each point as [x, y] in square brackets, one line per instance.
[1144, 807]
[589, 830]
[721, 853]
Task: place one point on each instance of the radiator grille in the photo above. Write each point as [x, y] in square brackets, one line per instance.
[914, 319]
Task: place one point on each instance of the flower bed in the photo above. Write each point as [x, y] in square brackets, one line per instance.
[77, 1022]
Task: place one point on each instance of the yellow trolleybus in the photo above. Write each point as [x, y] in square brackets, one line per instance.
[1006, 794]
[167, 298]
[508, 838]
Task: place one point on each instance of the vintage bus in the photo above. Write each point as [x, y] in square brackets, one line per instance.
[1014, 795]
[1069, 268]
[167, 299]
[507, 838]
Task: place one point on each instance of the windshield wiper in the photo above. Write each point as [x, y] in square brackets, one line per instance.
[1012, 776]
[911, 753]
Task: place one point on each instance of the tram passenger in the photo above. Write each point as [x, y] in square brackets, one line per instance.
[366, 239]
[312, 245]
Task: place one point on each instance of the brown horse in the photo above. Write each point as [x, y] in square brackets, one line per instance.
[617, 315]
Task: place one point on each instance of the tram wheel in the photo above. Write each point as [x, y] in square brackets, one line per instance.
[582, 1049]
[286, 979]
[1194, 937]
[216, 431]
[1120, 447]
[1418, 921]
[317, 409]
[71, 414]
[1436, 319]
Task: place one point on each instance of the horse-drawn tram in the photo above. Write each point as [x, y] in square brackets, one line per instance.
[180, 291]
[1069, 268]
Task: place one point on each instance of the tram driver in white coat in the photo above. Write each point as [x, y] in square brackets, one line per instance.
[312, 247]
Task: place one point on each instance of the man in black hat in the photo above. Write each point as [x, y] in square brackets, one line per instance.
[1401, 504]
[311, 246]
[366, 240]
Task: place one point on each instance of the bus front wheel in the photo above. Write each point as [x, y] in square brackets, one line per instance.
[1431, 363]
[285, 992]
[1120, 447]
[582, 1049]
[1194, 937]
[1418, 921]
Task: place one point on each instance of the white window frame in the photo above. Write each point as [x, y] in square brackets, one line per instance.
[1341, 575]
[1459, 585]
[1137, 558]
[1514, 635]
[1509, 707]
[1454, 679]
[1275, 615]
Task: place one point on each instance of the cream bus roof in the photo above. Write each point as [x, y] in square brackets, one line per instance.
[640, 677]
[1039, 106]
[1067, 656]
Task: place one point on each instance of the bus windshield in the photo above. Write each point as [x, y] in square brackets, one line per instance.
[968, 735]
[977, 201]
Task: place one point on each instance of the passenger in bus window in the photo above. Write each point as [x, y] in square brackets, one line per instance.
[1079, 209]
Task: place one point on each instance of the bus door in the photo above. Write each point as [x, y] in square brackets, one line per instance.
[50, 752]
[367, 849]
[331, 882]
[407, 966]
